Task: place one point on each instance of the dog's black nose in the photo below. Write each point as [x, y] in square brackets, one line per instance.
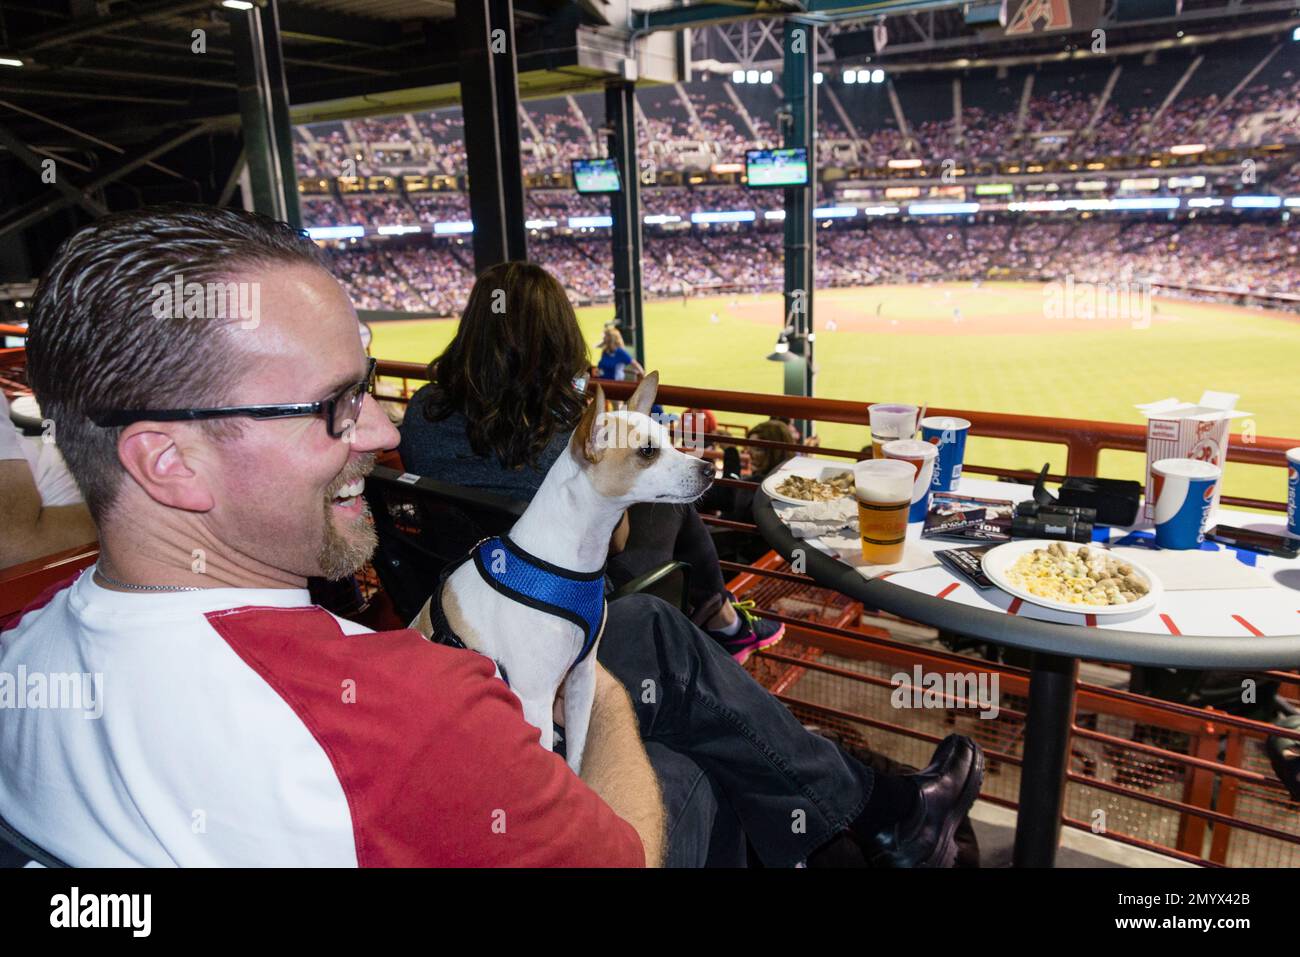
[706, 468]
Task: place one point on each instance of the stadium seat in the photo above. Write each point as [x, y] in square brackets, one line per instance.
[20, 585]
[423, 526]
[18, 851]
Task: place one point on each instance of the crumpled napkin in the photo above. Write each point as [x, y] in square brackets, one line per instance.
[821, 518]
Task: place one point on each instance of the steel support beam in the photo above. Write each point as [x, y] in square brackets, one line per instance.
[264, 111]
[30, 159]
[489, 86]
[800, 121]
[39, 208]
[625, 209]
[813, 11]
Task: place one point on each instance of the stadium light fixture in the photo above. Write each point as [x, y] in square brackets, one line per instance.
[942, 209]
[336, 232]
[765, 77]
[237, 4]
[11, 61]
[751, 76]
[877, 76]
[818, 77]
[864, 76]
[1155, 202]
[781, 351]
[850, 77]
[737, 76]
[723, 216]
[1295, 34]
[1256, 202]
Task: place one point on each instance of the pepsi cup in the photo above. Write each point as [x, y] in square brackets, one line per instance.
[921, 456]
[948, 434]
[1184, 497]
[1293, 491]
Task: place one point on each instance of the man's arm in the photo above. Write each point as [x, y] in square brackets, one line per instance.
[28, 530]
[615, 766]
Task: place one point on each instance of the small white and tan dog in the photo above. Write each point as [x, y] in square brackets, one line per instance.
[558, 550]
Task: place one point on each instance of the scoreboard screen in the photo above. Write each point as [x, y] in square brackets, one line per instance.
[596, 176]
[765, 169]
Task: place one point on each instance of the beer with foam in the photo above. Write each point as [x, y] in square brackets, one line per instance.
[883, 488]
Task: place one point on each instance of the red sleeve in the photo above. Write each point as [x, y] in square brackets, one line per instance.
[434, 755]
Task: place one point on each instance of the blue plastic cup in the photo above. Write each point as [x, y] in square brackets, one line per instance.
[949, 434]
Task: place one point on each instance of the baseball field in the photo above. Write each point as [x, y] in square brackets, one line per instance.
[996, 347]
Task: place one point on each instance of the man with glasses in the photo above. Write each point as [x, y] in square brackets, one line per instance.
[222, 719]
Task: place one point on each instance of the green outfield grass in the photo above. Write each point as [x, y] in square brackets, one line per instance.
[1001, 354]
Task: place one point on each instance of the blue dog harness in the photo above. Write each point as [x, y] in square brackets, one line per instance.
[578, 597]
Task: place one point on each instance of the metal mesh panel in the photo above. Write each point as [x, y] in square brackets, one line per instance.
[848, 705]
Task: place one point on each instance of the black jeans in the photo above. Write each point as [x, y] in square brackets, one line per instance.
[730, 757]
[658, 533]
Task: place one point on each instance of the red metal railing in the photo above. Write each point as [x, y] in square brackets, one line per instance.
[1084, 439]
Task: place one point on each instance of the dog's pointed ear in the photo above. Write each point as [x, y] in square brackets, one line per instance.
[584, 444]
[643, 399]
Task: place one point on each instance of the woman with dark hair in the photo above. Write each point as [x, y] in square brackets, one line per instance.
[502, 399]
[505, 396]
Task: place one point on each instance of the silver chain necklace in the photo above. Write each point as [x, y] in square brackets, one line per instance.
[113, 581]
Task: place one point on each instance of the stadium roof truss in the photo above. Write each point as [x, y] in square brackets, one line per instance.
[749, 36]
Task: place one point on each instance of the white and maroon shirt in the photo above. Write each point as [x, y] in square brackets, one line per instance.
[248, 727]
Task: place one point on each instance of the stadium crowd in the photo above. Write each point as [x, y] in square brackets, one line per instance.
[1207, 258]
[706, 126]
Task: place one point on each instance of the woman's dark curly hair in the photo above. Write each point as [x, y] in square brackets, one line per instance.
[510, 368]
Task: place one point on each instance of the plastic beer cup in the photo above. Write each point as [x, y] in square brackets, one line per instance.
[883, 488]
[889, 421]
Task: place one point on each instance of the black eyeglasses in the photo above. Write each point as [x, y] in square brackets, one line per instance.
[341, 410]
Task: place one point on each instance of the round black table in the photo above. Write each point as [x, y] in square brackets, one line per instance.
[1057, 649]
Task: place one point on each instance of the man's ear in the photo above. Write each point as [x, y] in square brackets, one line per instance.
[158, 464]
[643, 399]
[584, 444]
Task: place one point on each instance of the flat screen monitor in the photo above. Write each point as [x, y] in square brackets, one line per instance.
[766, 169]
[596, 176]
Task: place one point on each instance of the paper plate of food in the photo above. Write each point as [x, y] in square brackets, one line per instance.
[809, 483]
[1085, 579]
